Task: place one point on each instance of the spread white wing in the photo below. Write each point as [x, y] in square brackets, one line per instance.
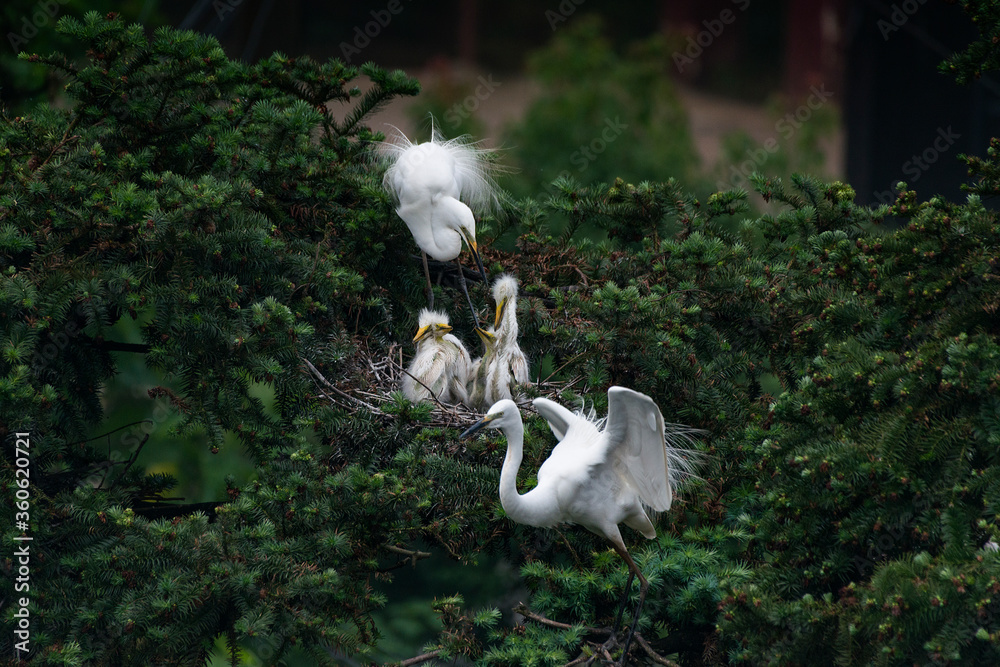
[558, 417]
[635, 437]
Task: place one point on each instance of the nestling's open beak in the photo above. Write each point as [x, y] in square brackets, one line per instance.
[421, 333]
[486, 336]
[479, 425]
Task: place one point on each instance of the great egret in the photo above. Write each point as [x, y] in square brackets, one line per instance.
[441, 363]
[510, 359]
[602, 472]
[434, 184]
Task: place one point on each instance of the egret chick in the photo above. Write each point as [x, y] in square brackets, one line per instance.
[441, 363]
[434, 183]
[478, 371]
[512, 360]
[491, 377]
[602, 472]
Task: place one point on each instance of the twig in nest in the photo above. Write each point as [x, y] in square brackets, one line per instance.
[339, 392]
[656, 657]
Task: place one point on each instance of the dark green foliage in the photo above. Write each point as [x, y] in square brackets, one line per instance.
[217, 204]
[845, 376]
[601, 114]
[983, 55]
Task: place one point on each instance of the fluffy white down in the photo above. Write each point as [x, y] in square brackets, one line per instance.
[440, 366]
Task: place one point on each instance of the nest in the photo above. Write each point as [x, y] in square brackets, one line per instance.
[372, 377]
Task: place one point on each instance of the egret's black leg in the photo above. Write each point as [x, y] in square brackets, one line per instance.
[430, 290]
[621, 607]
[482, 271]
[465, 288]
[643, 585]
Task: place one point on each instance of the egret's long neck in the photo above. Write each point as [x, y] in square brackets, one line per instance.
[448, 212]
[529, 509]
[508, 321]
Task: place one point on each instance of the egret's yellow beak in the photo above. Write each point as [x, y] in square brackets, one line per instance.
[422, 333]
[444, 327]
[500, 309]
[487, 337]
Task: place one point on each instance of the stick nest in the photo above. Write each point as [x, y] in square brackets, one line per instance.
[374, 374]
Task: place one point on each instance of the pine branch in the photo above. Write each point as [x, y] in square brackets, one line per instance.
[416, 660]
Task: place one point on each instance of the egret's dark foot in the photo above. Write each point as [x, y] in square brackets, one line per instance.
[429, 290]
[465, 289]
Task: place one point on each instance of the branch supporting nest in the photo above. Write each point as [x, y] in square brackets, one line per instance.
[371, 381]
[584, 658]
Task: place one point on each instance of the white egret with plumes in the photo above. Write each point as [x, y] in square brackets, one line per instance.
[436, 186]
[601, 473]
[441, 364]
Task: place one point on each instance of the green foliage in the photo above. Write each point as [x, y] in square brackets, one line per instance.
[982, 55]
[845, 376]
[600, 115]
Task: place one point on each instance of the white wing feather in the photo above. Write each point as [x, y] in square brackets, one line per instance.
[635, 436]
[456, 168]
[558, 417]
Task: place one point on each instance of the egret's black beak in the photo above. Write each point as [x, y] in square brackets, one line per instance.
[479, 263]
[478, 426]
[475, 253]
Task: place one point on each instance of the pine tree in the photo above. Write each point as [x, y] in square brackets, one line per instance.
[844, 369]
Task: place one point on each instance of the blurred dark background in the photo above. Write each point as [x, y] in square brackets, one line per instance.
[704, 90]
[738, 66]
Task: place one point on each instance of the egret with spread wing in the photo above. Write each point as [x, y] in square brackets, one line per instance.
[441, 364]
[602, 472]
[434, 184]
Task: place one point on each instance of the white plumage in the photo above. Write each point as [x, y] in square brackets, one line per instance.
[478, 372]
[434, 184]
[511, 361]
[441, 363]
[503, 364]
[601, 473]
